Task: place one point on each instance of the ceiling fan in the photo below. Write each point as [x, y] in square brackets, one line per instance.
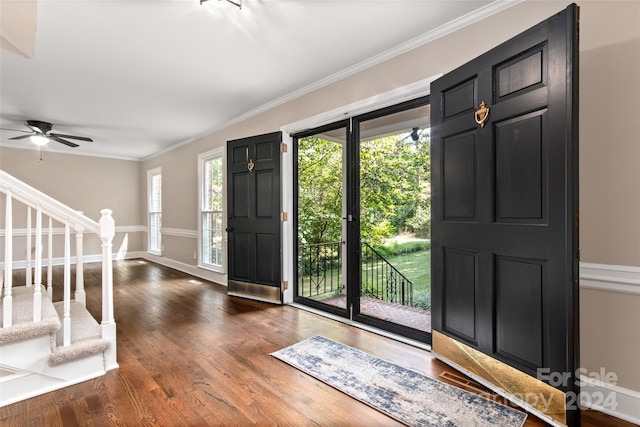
[41, 134]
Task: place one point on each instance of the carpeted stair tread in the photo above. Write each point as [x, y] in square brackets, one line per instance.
[86, 335]
[78, 350]
[83, 325]
[23, 326]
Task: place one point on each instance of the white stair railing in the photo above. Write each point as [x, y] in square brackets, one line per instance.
[73, 222]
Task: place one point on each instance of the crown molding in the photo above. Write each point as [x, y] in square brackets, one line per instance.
[428, 37]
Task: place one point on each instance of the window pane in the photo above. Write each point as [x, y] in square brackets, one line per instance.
[216, 180]
[207, 185]
[212, 197]
[212, 238]
[155, 237]
[156, 193]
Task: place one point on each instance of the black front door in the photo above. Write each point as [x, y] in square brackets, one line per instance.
[254, 230]
[504, 199]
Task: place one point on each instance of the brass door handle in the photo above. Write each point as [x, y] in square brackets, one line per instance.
[482, 114]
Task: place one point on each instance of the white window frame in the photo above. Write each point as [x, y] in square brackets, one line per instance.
[151, 174]
[214, 154]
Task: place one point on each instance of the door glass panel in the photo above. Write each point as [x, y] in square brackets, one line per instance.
[395, 218]
[321, 266]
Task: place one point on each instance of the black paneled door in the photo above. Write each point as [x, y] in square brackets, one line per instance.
[254, 224]
[504, 200]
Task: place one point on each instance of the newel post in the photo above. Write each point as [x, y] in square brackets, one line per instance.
[7, 301]
[108, 325]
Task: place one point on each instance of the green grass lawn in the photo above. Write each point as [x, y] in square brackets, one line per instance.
[416, 266]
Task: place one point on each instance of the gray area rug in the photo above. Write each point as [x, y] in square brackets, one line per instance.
[407, 396]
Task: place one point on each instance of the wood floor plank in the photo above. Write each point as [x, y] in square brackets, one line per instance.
[190, 355]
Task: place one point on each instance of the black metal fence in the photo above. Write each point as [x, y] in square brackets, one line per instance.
[320, 274]
[381, 280]
[320, 270]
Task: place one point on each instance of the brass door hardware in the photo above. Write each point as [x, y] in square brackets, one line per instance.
[482, 114]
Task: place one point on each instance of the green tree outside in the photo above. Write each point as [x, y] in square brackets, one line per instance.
[395, 195]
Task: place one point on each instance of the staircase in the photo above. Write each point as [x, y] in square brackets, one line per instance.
[46, 345]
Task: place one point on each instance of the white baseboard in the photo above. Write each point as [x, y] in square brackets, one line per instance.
[193, 270]
[610, 399]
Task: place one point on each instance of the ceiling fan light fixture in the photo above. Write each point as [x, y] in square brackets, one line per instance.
[237, 3]
[39, 139]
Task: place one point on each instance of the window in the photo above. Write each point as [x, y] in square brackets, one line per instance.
[211, 204]
[154, 195]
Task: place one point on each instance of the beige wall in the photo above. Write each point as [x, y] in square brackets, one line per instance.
[609, 178]
[609, 144]
[609, 139]
[610, 335]
[87, 184]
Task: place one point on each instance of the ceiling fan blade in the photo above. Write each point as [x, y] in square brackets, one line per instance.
[17, 130]
[22, 136]
[62, 141]
[81, 138]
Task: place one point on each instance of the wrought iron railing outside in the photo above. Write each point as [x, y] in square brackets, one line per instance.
[381, 280]
[320, 274]
[320, 270]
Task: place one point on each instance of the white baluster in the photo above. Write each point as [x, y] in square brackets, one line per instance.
[80, 294]
[7, 301]
[50, 259]
[108, 325]
[37, 294]
[28, 275]
[67, 286]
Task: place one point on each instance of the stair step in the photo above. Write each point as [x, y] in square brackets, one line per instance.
[78, 350]
[23, 326]
[83, 325]
[86, 335]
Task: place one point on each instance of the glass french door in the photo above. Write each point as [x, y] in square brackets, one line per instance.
[363, 219]
[320, 219]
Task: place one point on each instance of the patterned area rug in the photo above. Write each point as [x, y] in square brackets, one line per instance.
[405, 395]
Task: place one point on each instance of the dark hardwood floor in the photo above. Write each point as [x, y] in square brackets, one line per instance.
[190, 355]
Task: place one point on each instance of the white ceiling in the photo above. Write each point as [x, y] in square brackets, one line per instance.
[141, 76]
